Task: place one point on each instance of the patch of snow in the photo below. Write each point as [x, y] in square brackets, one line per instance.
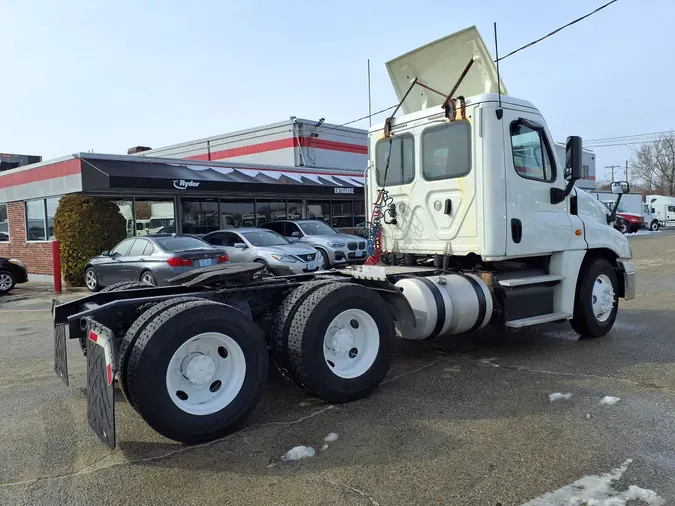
[644, 232]
[588, 415]
[558, 396]
[489, 361]
[608, 399]
[299, 452]
[331, 437]
[324, 448]
[598, 491]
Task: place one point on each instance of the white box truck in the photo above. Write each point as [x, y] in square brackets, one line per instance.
[480, 224]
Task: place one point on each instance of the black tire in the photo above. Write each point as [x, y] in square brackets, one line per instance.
[622, 226]
[123, 285]
[148, 279]
[12, 281]
[135, 330]
[283, 318]
[90, 270]
[116, 287]
[326, 260]
[654, 226]
[307, 364]
[153, 350]
[584, 322]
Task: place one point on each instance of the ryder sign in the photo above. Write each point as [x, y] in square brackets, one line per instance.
[182, 184]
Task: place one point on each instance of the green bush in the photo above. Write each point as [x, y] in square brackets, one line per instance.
[85, 226]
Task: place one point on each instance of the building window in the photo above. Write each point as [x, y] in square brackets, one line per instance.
[4, 223]
[271, 210]
[359, 213]
[238, 213]
[154, 216]
[318, 210]
[446, 151]
[531, 153]
[341, 214]
[401, 169]
[294, 210]
[200, 216]
[35, 220]
[51, 205]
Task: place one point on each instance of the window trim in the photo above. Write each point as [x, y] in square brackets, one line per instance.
[44, 220]
[442, 127]
[414, 165]
[9, 231]
[543, 138]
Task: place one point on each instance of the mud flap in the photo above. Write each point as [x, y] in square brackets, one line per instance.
[100, 391]
[60, 352]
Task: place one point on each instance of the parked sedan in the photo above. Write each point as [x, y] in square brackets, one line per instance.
[12, 271]
[151, 259]
[281, 256]
[336, 248]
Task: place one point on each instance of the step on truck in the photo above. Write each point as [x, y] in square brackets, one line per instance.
[475, 223]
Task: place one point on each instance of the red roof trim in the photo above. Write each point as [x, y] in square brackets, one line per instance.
[42, 173]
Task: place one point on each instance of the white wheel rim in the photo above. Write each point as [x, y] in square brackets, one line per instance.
[147, 279]
[5, 281]
[351, 343]
[603, 298]
[206, 373]
[90, 279]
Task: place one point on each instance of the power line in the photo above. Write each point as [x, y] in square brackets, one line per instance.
[558, 29]
[628, 136]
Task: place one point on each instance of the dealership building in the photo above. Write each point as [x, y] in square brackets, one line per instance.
[292, 169]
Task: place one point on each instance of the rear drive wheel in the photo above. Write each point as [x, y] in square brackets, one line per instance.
[7, 282]
[654, 225]
[340, 342]
[596, 302]
[91, 280]
[136, 329]
[148, 278]
[197, 370]
[283, 319]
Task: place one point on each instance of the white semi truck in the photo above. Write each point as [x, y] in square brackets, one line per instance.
[478, 220]
[663, 207]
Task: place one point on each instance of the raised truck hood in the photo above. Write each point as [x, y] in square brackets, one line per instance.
[439, 65]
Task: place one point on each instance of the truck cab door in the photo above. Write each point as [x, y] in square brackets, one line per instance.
[535, 226]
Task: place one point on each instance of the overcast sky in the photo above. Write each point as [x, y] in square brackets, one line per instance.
[107, 75]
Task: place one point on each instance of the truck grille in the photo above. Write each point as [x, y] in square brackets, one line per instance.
[352, 246]
[307, 258]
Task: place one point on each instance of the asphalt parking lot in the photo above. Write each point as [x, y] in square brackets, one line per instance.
[464, 421]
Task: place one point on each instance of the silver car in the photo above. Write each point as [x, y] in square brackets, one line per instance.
[280, 255]
[152, 260]
[336, 248]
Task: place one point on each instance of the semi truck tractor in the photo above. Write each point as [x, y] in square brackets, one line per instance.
[475, 222]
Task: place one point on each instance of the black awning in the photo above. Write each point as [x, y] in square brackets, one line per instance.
[102, 174]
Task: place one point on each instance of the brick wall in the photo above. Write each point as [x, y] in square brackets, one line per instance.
[36, 255]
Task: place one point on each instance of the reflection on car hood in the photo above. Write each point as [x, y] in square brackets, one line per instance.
[342, 238]
[289, 249]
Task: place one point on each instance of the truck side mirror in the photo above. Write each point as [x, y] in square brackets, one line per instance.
[619, 187]
[573, 167]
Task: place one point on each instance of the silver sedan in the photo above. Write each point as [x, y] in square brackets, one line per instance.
[280, 255]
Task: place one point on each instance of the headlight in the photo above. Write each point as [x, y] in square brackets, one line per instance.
[337, 245]
[18, 262]
[285, 258]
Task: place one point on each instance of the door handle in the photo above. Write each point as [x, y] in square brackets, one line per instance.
[516, 230]
[448, 207]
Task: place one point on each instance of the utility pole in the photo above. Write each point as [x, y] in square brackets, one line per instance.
[627, 171]
[612, 167]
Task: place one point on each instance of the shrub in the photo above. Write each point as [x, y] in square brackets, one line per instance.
[85, 226]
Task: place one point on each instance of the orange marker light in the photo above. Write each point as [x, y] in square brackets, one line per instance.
[578, 231]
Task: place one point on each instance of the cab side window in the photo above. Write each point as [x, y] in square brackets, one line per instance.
[531, 153]
[671, 209]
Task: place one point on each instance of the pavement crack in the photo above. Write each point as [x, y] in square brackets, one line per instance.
[407, 373]
[352, 489]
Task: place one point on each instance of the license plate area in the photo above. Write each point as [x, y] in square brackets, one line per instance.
[100, 389]
[205, 262]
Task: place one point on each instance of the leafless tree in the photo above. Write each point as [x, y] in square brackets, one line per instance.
[654, 164]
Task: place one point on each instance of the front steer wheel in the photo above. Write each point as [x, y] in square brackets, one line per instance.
[596, 301]
[197, 370]
[340, 342]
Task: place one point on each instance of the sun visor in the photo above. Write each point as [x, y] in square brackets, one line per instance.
[439, 65]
